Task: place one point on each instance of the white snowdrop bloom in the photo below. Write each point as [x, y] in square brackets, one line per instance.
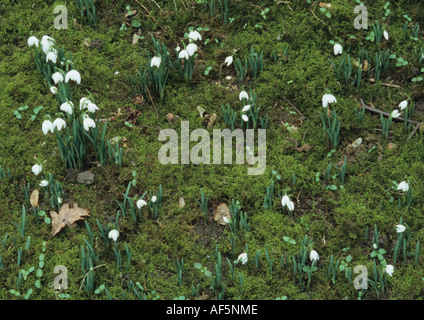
[183, 55]
[403, 104]
[338, 49]
[290, 205]
[374, 246]
[33, 41]
[47, 126]
[84, 102]
[141, 203]
[328, 99]
[389, 270]
[73, 75]
[404, 186]
[228, 77]
[155, 62]
[44, 183]
[36, 169]
[116, 73]
[242, 258]
[53, 90]
[400, 228]
[47, 44]
[314, 255]
[88, 123]
[246, 108]
[229, 60]
[243, 95]
[191, 49]
[395, 113]
[57, 77]
[194, 35]
[245, 118]
[178, 49]
[154, 199]
[67, 107]
[113, 234]
[91, 107]
[51, 56]
[386, 35]
[285, 200]
[59, 124]
[59, 200]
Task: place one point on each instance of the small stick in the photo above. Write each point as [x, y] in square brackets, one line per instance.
[385, 113]
[295, 108]
[414, 131]
[317, 17]
[153, 103]
[102, 265]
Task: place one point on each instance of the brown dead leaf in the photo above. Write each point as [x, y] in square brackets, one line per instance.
[138, 99]
[67, 216]
[220, 212]
[132, 117]
[304, 148]
[34, 198]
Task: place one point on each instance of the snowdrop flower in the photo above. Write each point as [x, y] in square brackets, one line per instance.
[389, 270]
[242, 258]
[51, 56]
[243, 95]
[183, 55]
[226, 220]
[73, 75]
[59, 200]
[47, 43]
[44, 183]
[155, 62]
[178, 49]
[229, 60]
[88, 123]
[57, 77]
[403, 104]
[47, 126]
[84, 102]
[141, 203]
[37, 168]
[374, 246]
[285, 201]
[113, 234]
[395, 114]
[191, 49]
[91, 107]
[67, 107]
[338, 49]
[328, 99]
[386, 35]
[246, 108]
[33, 41]
[194, 35]
[59, 123]
[245, 118]
[400, 228]
[53, 90]
[154, 199]
[314, 255]
[403, 186]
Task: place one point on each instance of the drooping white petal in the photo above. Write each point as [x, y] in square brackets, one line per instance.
[328, 99]
[183, 55]
[314, 255]
[386, 35]
[59, 124]
[243, 95]
[403, 104]
[246, 108]
[57, 77]
[242, 258]
[191, 49]
[404, 186]
[400, 228]
[88, 123]
[194, 35]
[113, 234]
[338, 49]
[51, 56]
[47, 126]
[36, 169]
[228, 60]
[33, 41]
[73, 75]
[155, 62]
[67, 107]
[389, 270]
[395, 113]
[44, 183]
[141, 203]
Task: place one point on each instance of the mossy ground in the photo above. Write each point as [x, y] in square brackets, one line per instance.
[334, 219]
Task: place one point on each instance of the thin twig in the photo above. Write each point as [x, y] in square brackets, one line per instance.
[153, 103]
[102, 265]
[298, 111]
[371, 109]
[317, 17]
[414, 131]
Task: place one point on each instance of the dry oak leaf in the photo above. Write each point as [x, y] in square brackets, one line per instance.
[304, 148]
[67, 216]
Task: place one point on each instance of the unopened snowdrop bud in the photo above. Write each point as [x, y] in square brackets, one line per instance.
[113, 234]
[243, 95]
[155, 62]
[36, 169]
[88, 123]
[178, 49]
[246, 108]
[57, 77]
[53, 90]
[67, 107]
[194, 35]
[183, 55]
[59, 124]
[33, 41]
[73, 75]
[228, 60]
[314, 255]
[44, 183]
[154, 199]
[338, 49]
[59, 200]
[47, 126]
[245, 118]
[242, 258]
[386, 35]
